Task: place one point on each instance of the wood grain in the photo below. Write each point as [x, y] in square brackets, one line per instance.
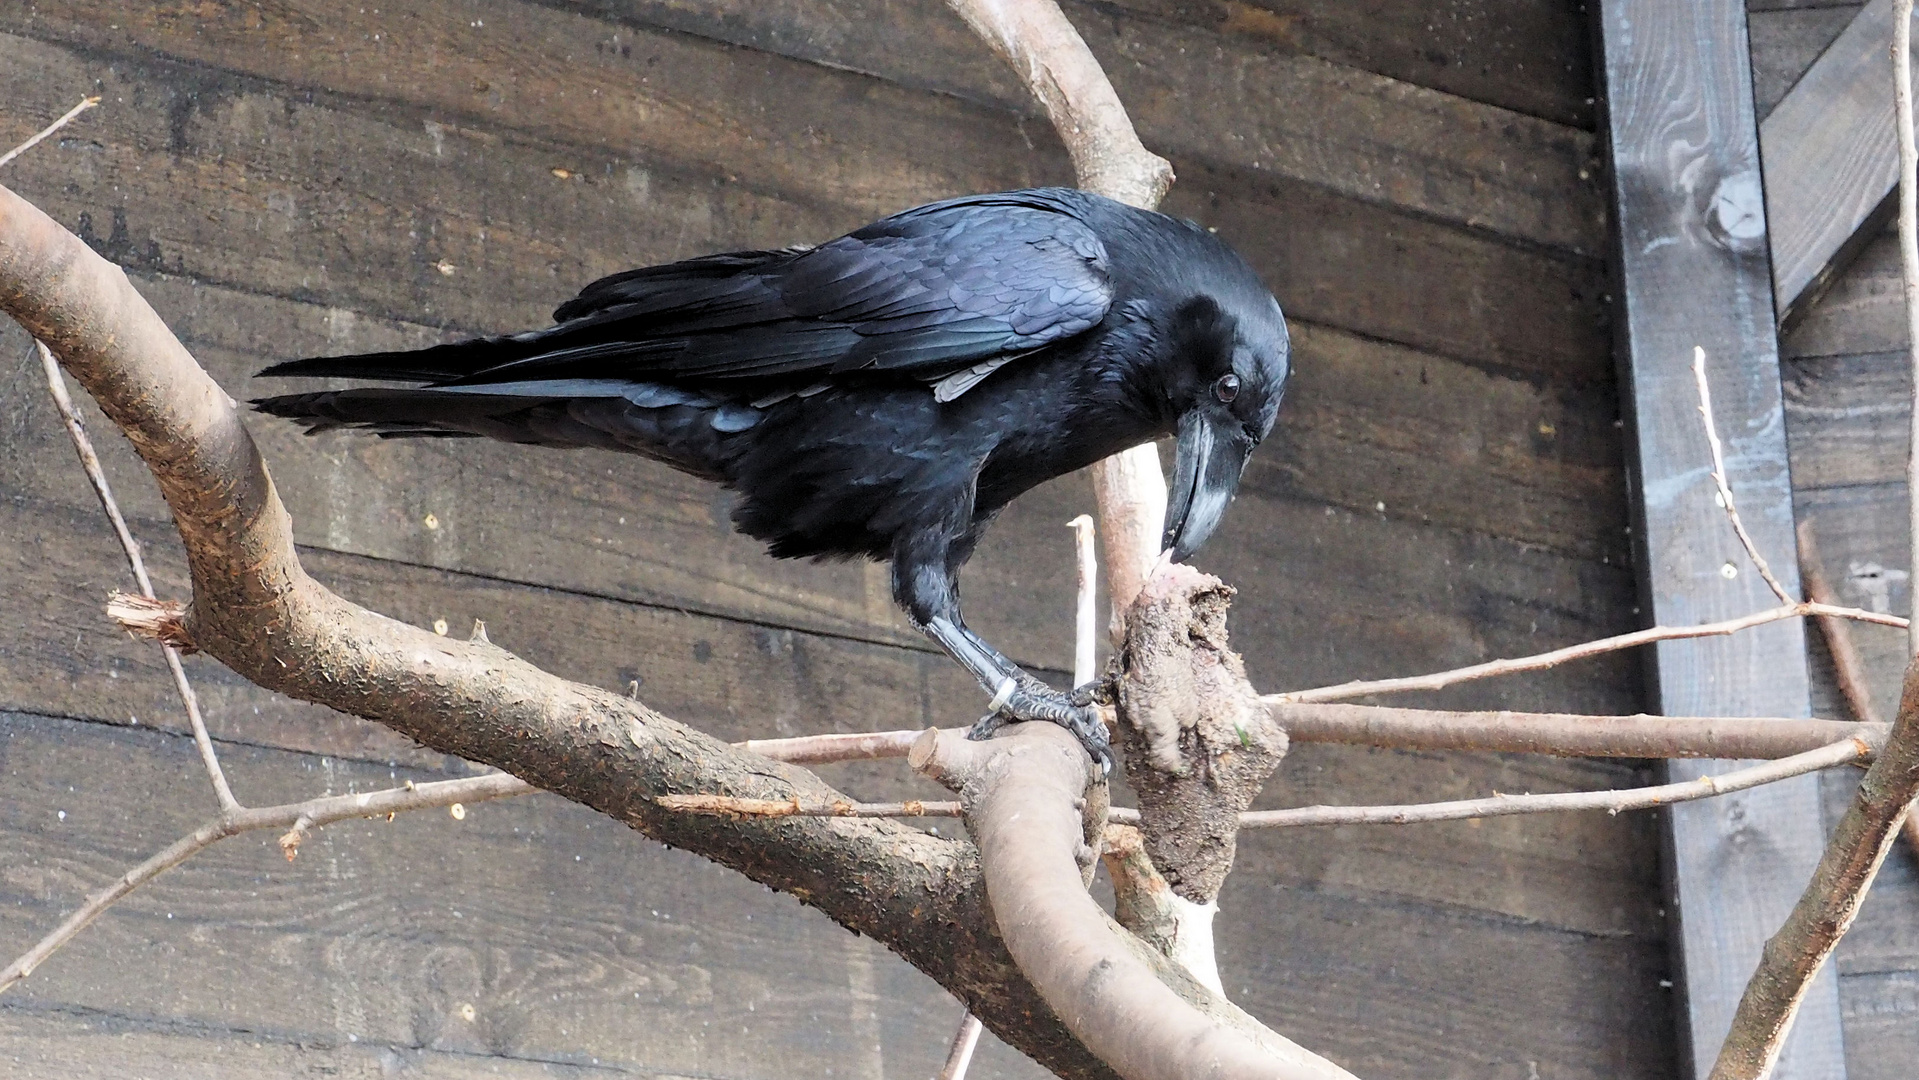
[1608, 1017]
[1847, 418]
[1785, 43]
[1831, 158]
[1368, 423]
[505, 64]
[581, 940]
[1693, 272]
[1529, 58]
[1862, 311]
[364, 205]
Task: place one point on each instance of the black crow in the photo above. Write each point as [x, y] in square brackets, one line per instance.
[887, 393]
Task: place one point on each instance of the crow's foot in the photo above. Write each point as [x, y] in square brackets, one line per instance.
[1030, 699]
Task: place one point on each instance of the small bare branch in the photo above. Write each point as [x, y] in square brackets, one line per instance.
[1442, 679]
[1131, 494]
[1719, 478]
[85, 104]
[90, 461]
[730, 806]
[1555, 734]
[232, 822]
[1848, 667]
[1847, 752]
[1854, 749]
[1825, 911]
[1086, 609]
[960, 1056]
[814, 749]
[1561, 734]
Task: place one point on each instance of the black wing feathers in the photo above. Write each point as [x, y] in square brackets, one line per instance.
[926, 293]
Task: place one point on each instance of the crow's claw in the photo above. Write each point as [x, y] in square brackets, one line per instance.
[1034, 700]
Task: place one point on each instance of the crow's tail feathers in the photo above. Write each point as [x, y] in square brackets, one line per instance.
[389, 412]
[439, 363]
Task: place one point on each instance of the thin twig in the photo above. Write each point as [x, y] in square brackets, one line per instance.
[1840, 753]
[1504, 731]
[1848, 751]
[1793, 956]
[85, 104]
[960, 1056]
[732, 806]
[90, 461]
[1719, 478]
[1908, 254]
[1561, 734]
[1086, 612]
[1847, 665]
[313, 813]
[1441, 679]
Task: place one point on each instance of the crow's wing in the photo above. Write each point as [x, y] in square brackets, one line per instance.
[936, 293]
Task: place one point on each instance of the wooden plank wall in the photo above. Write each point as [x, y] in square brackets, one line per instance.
[1417, 184]
[1846, 412]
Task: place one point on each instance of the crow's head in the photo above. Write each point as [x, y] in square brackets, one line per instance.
[1228, 357]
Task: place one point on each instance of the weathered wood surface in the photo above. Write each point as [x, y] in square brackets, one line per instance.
[1381, 275]
[506, 64]
[1530, 58]
[1846, 394]
[1785, 43]
[582, 941]
[1693, 272]
[1862, 312]
[364, 201]
[1831, 158]
[1445, 490]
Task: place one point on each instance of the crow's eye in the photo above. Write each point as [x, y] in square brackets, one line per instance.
[1227, 388]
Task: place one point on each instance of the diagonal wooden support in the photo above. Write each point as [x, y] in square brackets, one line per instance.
[1831, 160]
[1692, 270]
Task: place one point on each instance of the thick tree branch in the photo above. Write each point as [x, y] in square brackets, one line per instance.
[256, 610]
[1830, 903]
[1114, 992]
[1035, 37]
[90, 463]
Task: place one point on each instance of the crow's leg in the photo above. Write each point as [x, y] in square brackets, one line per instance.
[1017, 695]
[927, 593]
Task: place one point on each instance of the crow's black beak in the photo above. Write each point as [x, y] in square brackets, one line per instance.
[1211, 456]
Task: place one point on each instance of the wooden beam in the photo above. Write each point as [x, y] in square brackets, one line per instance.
[1831, 160]
[1692, 271]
